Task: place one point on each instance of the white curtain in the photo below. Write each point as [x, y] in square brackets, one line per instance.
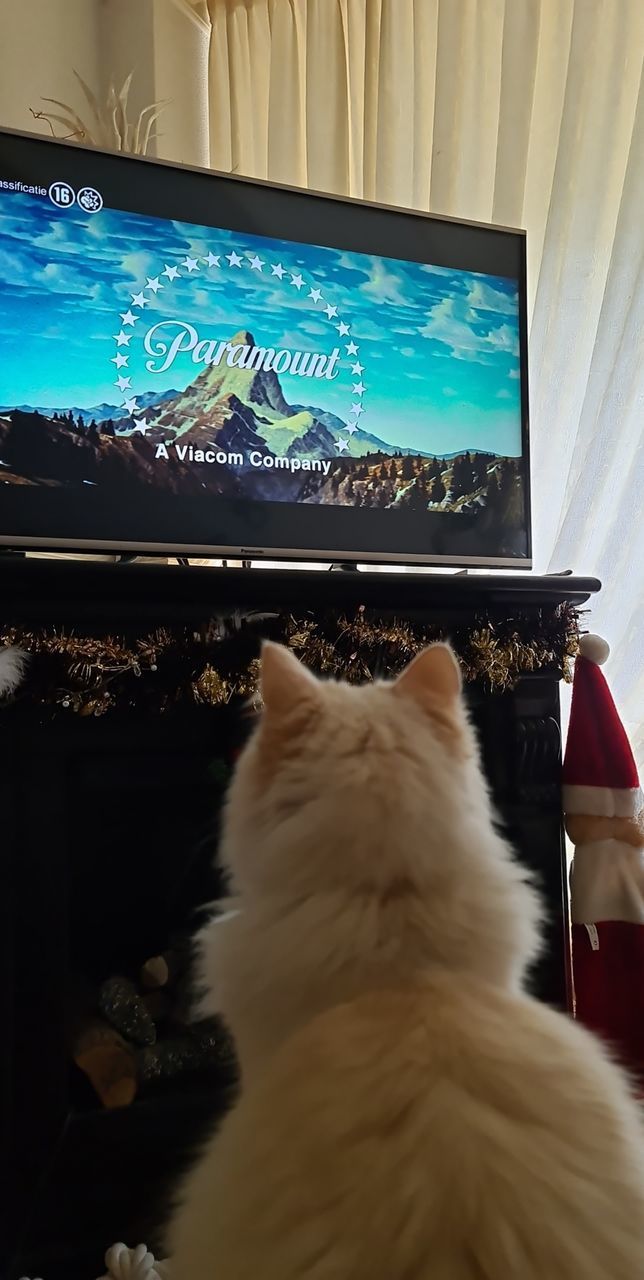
[524, 112]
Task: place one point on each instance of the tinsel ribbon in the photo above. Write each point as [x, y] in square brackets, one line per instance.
[94, 674]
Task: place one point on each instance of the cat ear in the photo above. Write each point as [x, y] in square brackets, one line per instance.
[284, 681]
[436, 672]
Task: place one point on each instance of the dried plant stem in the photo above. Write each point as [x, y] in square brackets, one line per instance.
[109, 125]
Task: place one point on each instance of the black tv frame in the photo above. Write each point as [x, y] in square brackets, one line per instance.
[147, 183]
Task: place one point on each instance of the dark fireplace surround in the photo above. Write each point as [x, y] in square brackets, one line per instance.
[110, 828]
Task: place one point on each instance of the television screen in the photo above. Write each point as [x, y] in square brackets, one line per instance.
[199, 363]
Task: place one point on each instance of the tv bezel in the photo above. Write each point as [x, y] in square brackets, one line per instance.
[294, 554]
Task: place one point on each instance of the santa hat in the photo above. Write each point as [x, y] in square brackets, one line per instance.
[600, 776]
[603, 808]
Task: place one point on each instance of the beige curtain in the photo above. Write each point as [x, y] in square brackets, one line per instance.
[524, 112]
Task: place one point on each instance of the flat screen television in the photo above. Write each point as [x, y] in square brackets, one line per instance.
[197, 363]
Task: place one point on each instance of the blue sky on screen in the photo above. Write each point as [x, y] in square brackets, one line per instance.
[439, 348]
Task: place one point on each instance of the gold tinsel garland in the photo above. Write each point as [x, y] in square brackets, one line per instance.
[93, 674]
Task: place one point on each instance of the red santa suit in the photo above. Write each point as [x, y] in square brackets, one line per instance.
[604, 813]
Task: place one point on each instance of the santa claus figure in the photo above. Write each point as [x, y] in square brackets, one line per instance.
[604, 812]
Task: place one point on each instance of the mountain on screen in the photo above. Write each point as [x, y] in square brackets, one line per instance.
[246, 408]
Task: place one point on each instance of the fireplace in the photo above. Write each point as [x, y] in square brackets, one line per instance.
[110, 830]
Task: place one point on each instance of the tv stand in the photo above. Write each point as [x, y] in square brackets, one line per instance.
[116, 855]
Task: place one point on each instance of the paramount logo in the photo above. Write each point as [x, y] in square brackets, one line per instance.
[171, 338]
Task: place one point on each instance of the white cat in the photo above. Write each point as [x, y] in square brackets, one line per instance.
[407, 1112]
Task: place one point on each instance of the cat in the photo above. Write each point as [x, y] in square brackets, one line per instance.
[407, 1111]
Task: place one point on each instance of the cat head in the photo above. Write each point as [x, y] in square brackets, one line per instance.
[361, 786]
[360, 841]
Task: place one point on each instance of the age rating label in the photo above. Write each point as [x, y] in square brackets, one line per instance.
[62, 195]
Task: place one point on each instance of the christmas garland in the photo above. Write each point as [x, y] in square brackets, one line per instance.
[94, 674]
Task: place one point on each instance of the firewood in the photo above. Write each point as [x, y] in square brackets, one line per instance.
[107, 1061]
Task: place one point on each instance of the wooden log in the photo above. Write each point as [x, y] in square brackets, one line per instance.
[107, 1061]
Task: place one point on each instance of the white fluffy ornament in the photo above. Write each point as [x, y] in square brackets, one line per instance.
[133, 1264]
[595, 648]
[12, 665]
